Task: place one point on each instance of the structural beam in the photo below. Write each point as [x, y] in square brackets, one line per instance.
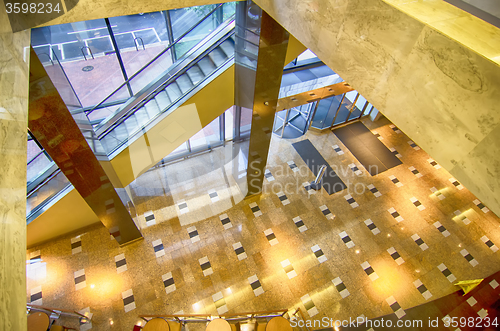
[54, 127]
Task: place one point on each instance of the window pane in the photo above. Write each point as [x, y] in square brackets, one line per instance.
[357, 108]
[94, 78]
[246, 121]
[185, 18]
[343, 112]
[196, 35]
[321, 112]
[229, 123]
[332, 111]
[140, 38]
[368, 109]
[33, 149]
[37, 166]
[207, 136]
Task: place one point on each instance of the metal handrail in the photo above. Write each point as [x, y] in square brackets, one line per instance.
[136, 42]
[317, 182]
[298, 310]
[157, 56]
[173, 106]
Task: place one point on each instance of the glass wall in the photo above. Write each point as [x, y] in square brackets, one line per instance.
[98, 55]
[233, 125]
[206, 137]
[327, 108]
[87, 56]
[340, 109]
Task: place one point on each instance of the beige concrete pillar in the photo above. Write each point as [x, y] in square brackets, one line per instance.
[14, 76]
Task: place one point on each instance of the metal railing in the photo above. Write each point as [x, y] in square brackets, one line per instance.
[176, 70]
[57, 312]
[231, 318]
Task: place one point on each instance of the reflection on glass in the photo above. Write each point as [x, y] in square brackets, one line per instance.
[140, 38]
[33, 149]
[206, 137]
[182, 149]
[229, 118]
[246, 121]
[196, 35]
[358, 107]
[37, 166]
[38, 161]
[46, 192]
[86, 54]
[184, 18]
[54, 69]
[344, 109]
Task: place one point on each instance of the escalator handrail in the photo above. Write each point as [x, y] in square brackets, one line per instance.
[156, 87]
[156, 57]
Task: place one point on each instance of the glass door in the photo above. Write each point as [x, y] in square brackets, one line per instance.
[340, 109]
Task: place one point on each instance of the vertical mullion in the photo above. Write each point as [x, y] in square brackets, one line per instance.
[311, 117]
[352, 107]
[363, 111]
[118, 55]
[237, 123]
[337, 112]
[170, 33]
[222, 128]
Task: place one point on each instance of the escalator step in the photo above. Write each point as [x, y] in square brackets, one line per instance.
[173, 91]
[195, 74]
[131, 124]
[142, 115]
[206, 65]
[162, 100]
[184, 83]
[217, 56]
[228, 47]
[120, 132]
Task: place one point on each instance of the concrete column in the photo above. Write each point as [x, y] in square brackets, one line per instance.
[14, 76]
[54, 127]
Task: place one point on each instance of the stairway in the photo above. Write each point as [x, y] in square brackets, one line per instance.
[169, 93]
[296, 123]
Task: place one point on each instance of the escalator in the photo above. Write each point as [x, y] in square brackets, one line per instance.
[168, 92]
[196, 68]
